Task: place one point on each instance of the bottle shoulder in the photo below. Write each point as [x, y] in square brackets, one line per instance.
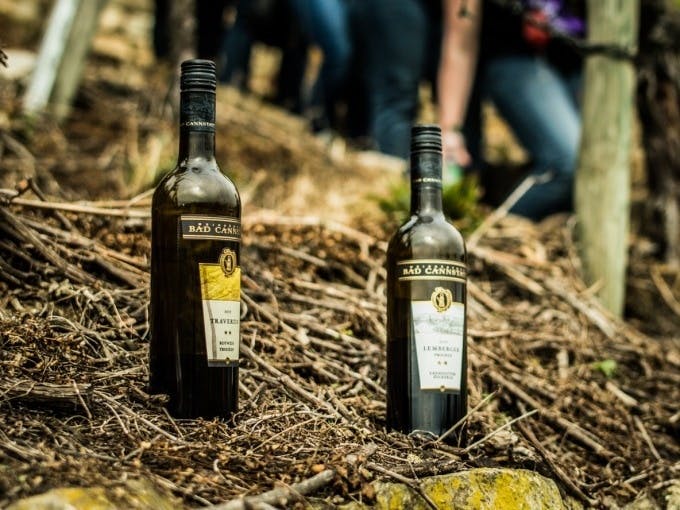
[192, 183]
[427, 237]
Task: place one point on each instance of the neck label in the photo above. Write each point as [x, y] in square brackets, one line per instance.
[197, 111]
[427, 180]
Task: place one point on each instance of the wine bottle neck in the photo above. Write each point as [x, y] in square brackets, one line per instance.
[196, 144]
[426, 182]
[197, 124]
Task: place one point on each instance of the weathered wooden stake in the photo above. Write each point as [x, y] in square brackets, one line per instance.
[603, 176]
[62, 55]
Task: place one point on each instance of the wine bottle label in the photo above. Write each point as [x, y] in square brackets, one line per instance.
[221, 295]
[434, 269]
[197, 111]
[426, 180]
[439, 328]
[197, 226]
[220, 281]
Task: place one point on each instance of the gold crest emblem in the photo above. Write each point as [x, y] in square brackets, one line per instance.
[228, 261]
[441, 299]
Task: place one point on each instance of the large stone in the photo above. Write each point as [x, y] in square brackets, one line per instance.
[66, 499]
[134, 494]
[478, 489]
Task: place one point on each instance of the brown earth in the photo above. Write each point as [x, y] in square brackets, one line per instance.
[73, 312]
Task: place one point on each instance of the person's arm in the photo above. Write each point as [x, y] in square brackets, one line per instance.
[460, 48]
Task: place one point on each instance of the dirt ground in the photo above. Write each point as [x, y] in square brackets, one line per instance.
[73, 347]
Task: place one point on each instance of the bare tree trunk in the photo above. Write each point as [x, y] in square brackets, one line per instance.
[603, 176]
[658, 99]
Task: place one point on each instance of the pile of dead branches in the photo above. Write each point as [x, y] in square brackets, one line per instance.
[556, 385]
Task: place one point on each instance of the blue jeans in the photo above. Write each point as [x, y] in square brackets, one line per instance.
[235, 55]
[541, 106]
[326, 24]
[397, 38]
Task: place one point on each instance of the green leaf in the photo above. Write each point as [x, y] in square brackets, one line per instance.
[608, 367]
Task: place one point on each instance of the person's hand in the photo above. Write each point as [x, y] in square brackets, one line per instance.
[454, 149]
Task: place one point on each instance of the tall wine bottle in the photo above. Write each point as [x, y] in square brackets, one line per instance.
[195, 265]
[426, 305]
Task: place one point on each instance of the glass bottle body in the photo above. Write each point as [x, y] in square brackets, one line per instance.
[196, 215]
[426, 320]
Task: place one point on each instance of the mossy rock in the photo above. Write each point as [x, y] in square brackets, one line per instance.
[478, 489]
[66, 499]
[133, 495]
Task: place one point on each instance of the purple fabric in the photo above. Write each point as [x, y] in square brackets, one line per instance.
[557, 17]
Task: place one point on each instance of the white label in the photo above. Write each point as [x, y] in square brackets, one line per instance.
[439, 344]
[222, 320]
[221, 291]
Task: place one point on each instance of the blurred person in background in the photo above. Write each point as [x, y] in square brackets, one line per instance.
[271, 22]
[208, 15]
[507, 52]
[400, 48]
[276, 24]
[326, 24]
[233, 62]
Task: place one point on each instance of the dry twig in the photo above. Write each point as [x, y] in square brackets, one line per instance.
[312, 375]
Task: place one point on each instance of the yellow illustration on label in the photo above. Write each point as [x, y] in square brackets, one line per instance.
[215, 285]
[221, 296]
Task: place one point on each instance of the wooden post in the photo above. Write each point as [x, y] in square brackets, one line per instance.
[50, 55]
[77, 48]
[602, 189]
[62, 55]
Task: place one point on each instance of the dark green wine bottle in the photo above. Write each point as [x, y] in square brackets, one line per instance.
[195, 265]
[426, 305]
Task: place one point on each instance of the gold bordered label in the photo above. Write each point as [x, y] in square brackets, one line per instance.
[228, 261]
[439, 337]
[200, 226]
[441, 299]
[432, 269]
[221, 296]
